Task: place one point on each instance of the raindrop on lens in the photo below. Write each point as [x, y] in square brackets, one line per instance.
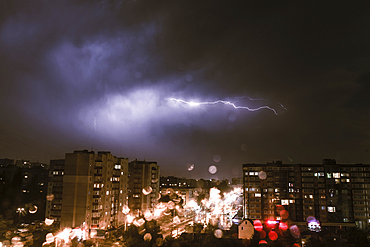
[189, 167]
[147, 190]
[147, 237]
[217, 158]
[218, 233]
[212, 169]
[262, 175]
[50, 197]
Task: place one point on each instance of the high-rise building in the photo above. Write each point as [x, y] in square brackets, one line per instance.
[55, 191]
[94, 190]
[335, 193]
[143, 185]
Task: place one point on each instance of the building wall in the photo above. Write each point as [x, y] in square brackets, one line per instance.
[55, 190]
[330, 192]
[94, 189]
[143, 176]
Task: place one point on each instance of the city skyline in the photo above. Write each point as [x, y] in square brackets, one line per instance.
[186, 84]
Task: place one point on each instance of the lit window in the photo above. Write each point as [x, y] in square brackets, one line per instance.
[284, 202]
[107, 193]
[328, 175]
[257, 195]
[336, 175]
[331, 209]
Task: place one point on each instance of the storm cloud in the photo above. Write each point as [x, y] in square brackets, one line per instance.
[99, 74]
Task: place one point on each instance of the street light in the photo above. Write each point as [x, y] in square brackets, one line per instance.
[20, 211]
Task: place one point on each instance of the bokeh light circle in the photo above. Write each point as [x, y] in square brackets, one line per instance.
[48, 221]
[147, 190]
[212, 169]
[273, 235]
[189, 167]
[279, 208]
[262, 175]
[294, 230]
[310, 219]
[258, 225]
[147, 237]
[217, 158]
[32, 209]
[218, 233]
[283, 226]
[50, 197]
[159, 241]
[284, 214]
[262, 242]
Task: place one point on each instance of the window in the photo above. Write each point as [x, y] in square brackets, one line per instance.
[328, 175]
[331, 209]
[284, 202]
[336, 175]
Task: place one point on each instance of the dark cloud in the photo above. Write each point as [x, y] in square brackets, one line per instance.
[82, 74]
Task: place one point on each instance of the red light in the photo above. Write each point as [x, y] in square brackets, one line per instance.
[284, 214]
[258, 225]
[283, 226]
[273, 235]
[263, 242]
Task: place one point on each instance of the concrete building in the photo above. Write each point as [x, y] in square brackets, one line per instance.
[55, 191]
[143, 185]
[94, 190]
[332, 193]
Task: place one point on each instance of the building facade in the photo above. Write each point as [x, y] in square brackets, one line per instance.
[94, 190]
[143, 192]
[330, 192]
[55, 191]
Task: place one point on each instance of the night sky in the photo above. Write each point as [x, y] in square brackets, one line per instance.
[103, 75]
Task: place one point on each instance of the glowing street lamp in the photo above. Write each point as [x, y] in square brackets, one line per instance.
[20, 211]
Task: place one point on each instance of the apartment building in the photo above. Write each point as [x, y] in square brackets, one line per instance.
[94, 190]
[143, 185]
[335, 193]
[55, 191]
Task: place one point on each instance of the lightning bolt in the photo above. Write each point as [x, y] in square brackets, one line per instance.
[225, 102]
